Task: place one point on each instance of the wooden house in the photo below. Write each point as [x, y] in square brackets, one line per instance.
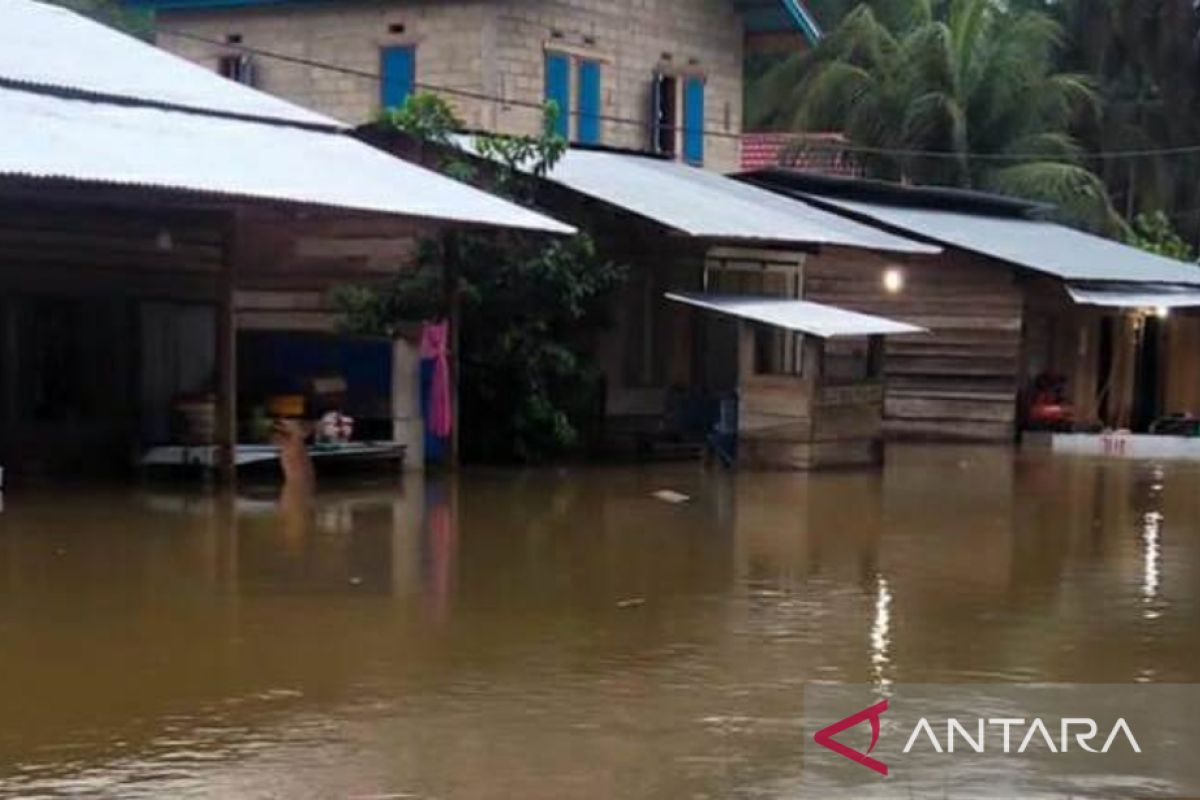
[156, 219]
[688, 232]
[1032, 324]
[827, 409]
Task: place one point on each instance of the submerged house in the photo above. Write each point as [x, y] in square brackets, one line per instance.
[713, 309]
[664, 77]
[167, 236]
[1032, 323]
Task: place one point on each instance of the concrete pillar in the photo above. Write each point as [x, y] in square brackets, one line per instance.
[408, 426]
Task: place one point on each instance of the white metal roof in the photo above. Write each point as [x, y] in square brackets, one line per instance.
[704, 203]
[707, 204]
[45, 45]
[1043, 246]
[1125, 295]
[43, 136]
[795, 315]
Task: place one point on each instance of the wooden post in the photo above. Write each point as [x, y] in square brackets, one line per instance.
[453, 265]
[9, 364]
[226, 433]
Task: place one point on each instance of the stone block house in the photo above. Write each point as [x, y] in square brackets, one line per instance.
[658, 75]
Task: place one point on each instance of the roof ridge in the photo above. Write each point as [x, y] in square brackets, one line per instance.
[129, 101]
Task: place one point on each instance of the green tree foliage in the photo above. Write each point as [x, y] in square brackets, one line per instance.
[1153, 232]
[424, 116]
[973, 81]
[1145, 56]
[1142, 62]
[529, 305]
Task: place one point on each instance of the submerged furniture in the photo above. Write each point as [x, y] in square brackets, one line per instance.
[206, 456]
[809, 380]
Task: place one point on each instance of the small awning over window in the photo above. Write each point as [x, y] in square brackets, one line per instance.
[1131, 295]
[795, 315]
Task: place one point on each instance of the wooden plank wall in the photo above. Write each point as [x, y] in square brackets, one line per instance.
[801, 422]
[959, 382]
[646, 345]
[290, 265]
[80, 249]
[82, 267]
[1182, 394]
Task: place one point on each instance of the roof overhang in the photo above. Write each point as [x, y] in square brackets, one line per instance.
[52, 49]
[705, 204]
[53, 139]
[1134, 296]
[770, 16]
[801, 316]
[85, 107]
[1036, 245]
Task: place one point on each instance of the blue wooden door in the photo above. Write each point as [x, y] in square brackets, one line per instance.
[693, 119]
[398, 75]
[588, 126]
[558, 89]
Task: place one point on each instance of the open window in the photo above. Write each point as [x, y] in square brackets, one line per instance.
[778, 351]
[677, 116]
[664, 113]
[239, 68]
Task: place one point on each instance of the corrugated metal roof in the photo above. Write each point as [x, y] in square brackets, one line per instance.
[1127, 295]
[1042, 246]
[704, 203]
[707, 204]
[43, 136]
[48, 46]
[795, 315]
[799, 182]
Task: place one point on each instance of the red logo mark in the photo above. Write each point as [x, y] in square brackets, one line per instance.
[824, 737]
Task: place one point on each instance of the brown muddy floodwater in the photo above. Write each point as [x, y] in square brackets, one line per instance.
[561, 633]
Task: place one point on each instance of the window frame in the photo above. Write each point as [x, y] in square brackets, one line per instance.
[588, 121]
[556, 81]
[385, 84]
[694, 88]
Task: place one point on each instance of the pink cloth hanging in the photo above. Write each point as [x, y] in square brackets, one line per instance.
[435, 344]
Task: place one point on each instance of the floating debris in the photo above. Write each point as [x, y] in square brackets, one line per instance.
[631, 602]
[670, 496]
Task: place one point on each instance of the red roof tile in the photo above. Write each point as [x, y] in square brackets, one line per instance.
[811, 152]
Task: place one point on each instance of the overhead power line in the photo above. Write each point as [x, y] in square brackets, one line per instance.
[376, 77]
[707, 132]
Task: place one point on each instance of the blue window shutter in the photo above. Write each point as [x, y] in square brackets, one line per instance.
[558, 89]
[693, 120]
[588, 126]
[398, 74]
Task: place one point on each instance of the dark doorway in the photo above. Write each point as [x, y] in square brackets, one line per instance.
[1147, 387]
[67, 386]
[1104, 365]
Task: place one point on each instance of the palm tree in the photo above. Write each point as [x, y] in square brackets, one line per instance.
[1146, 57]
[960, 93]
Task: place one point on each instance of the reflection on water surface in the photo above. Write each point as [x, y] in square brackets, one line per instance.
[561, 633]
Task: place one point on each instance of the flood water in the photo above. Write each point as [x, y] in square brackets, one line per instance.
[561, 633]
